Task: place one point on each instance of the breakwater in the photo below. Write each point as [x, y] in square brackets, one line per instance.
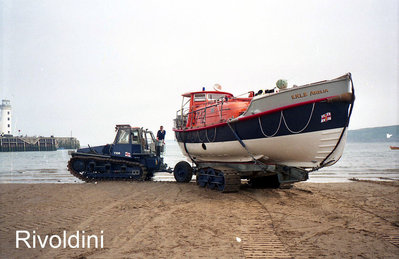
[67, 143]
[16, 144]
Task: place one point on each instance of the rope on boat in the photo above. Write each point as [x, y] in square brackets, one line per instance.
[191, 158]
[199, 136]
[256, 161]
[214, 137]
[307, 124]
[261, 127]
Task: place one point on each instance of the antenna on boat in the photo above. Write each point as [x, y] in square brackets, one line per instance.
[217, 87]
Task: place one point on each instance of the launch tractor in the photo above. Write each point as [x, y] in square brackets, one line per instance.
[134, 155]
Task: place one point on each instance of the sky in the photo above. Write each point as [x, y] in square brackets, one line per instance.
[81, 67]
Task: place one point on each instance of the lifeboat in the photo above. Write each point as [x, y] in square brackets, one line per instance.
[303, 126]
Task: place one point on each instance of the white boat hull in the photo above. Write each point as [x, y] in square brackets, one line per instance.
[305, 150]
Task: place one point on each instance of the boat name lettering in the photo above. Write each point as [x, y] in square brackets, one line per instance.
[305, 94]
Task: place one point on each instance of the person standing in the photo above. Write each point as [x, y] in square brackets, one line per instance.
[161, 134]
[161, 140]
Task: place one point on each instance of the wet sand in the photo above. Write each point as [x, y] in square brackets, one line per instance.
[170, 220]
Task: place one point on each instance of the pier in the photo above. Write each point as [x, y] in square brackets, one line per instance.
[17, 144]
[67, 143]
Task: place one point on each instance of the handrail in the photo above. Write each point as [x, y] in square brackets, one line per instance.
[200, 113]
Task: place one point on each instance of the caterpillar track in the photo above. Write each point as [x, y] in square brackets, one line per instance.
[106, 169]
[135, 155]
[221, 180]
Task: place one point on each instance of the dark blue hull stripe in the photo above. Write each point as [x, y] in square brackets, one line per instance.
[300, 119]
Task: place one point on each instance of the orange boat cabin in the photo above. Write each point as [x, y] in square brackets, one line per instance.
[207, 108]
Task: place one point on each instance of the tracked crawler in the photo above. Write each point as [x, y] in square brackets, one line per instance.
[135, 155]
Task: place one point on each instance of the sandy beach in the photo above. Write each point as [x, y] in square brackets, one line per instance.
[358, 219]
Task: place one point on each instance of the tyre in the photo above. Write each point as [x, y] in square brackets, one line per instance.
[183, 172]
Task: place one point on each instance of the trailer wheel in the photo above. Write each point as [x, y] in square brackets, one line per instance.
[183, 172]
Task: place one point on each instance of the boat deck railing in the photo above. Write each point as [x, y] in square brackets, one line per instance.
[187, 120]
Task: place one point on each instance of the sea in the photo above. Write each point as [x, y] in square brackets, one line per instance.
[363, 161]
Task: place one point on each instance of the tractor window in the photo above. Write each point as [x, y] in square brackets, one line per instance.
[135, 137]
[123, 137]
[149, 137]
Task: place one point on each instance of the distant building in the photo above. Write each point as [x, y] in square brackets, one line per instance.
[5, 119]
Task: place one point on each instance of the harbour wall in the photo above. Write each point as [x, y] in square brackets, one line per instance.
[16, 144]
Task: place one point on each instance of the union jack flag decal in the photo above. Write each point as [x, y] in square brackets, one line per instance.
[127, 154]
[326, 117]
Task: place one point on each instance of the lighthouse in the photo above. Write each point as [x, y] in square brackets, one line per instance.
[5, 119]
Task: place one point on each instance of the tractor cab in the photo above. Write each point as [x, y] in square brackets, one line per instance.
[130, 141]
